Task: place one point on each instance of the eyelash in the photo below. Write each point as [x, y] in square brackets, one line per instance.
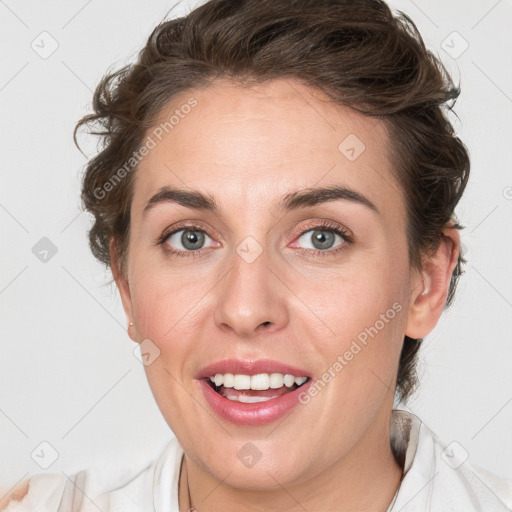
[325, 226]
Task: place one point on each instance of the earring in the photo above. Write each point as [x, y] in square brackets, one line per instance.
[130, 334]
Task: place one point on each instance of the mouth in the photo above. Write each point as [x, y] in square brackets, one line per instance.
[252, 393]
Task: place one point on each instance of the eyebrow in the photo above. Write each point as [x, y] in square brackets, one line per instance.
[292, 201]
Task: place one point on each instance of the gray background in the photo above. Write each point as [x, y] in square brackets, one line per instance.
[69, 376]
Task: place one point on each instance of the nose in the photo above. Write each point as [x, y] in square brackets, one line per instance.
[251, 299]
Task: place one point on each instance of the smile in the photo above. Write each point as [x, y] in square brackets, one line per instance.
[252, 392]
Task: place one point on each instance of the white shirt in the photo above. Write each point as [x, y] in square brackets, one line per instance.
[437, 478]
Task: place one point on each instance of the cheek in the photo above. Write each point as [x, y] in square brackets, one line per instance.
[164, 303]
[360, 334]
[164, 307]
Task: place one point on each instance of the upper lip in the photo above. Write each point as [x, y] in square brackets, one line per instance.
[248, 367]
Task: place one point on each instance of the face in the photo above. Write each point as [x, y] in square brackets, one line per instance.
[318, 288]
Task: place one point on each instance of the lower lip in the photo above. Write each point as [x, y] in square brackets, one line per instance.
[260, 413]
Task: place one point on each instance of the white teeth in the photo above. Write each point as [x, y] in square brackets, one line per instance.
[242, 382]
[249, 399]
[258, 382]
[228, 380]
[276, 380]
[289, 380]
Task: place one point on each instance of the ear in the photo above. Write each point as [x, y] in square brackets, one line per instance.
[123, 287]
[430, 286]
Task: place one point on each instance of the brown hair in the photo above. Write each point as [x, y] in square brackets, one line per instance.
[355, 51]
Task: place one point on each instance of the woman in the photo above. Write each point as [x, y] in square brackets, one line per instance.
[275, 199]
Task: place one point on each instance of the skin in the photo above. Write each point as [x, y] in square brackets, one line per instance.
[249, 148]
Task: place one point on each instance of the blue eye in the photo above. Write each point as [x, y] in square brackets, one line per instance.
[190, 239]
[323, 239]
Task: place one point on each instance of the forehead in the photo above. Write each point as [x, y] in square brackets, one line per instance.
[258, 144]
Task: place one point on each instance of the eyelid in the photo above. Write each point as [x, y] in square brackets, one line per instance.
[325, 225]
[320, 224]
[194, 225]
[177, 231]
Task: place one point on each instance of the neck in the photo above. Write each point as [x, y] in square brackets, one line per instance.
[364, 479]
